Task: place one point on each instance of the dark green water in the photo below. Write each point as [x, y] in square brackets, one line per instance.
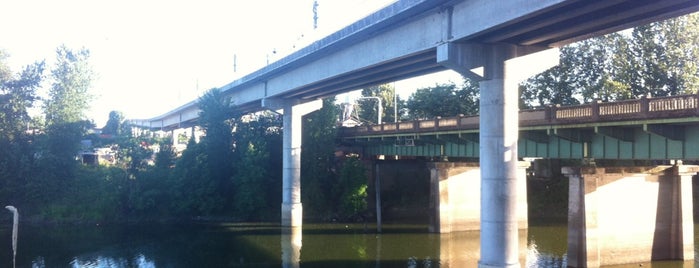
[263, 245]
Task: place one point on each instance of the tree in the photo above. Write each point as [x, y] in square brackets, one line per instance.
[69, 95]
[258, 145]
[114, 123]
[664, 57]
[17, 96]
[318, 159]
[193, 194]
[64, 111]
[18, 93]
[444, 100]
[213, 187]
[368, 108]
[351, 188]
[658, 59]
[553, 86]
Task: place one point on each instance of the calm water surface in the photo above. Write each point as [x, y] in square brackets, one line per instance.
[264, 245]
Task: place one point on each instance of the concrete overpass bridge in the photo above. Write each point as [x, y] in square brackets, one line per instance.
[497, 42]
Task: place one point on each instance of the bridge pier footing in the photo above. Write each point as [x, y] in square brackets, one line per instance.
[629, 215]
[455, 196]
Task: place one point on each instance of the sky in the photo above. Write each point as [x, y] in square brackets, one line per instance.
[152, 56]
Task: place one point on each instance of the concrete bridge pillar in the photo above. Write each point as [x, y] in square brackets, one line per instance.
[629, 215]
[499, 68]
[293, 111]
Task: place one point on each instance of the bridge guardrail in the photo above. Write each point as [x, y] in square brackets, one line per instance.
[638, 109]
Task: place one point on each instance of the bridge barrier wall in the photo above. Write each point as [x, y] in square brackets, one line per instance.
[455, 196]
[629, 215]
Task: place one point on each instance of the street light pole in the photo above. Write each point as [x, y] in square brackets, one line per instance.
[380, 109]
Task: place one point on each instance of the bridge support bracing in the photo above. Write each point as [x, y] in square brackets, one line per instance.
[293, 111]
[502, 67]
[629, 215]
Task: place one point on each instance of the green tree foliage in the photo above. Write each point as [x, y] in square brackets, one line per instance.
[66, 126]
[351, 188]
[318, 159]
[152, 192]
[216, 118]
[203, 174]
[553, 86]
[18, 94]
[69, 95]
[257, 182]
[663, 57]
[658, 59]
[114, 124]
[368, 108]
[444, 100]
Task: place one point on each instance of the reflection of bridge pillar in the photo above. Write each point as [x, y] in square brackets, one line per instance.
[460, 249]
[292, 210]
[291, 241]
[499, 130]
[629, 215]
[455, 197]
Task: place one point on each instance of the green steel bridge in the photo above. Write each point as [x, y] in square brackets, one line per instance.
[644, 129]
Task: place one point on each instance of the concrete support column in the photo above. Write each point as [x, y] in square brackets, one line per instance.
[498, 67]
[293, 111]
[174, 134]
[499, 122]
[583, 248]
[292, 210]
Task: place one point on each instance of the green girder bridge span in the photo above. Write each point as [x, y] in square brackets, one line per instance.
[644, 129]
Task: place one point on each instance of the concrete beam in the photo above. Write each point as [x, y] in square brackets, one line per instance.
[470, 59]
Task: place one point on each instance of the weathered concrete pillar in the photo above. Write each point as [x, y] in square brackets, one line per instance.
[502, 67]
[455, 197]
[629, 215]
[292, 210]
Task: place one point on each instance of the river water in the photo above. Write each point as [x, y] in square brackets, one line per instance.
[264, 245]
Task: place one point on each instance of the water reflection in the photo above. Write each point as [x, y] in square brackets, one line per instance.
[260, 245]
[291, 247]
[139, 261]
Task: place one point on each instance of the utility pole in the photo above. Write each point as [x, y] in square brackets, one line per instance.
[315, 14]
